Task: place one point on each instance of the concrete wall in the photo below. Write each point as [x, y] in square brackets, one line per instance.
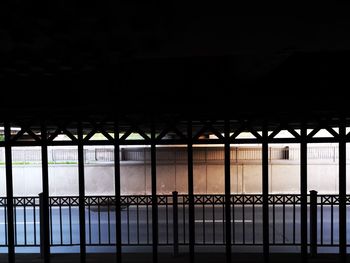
[136, 178]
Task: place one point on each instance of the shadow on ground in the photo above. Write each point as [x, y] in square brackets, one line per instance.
[201, 257]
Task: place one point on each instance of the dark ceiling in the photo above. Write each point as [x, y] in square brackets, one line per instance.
[59, 58]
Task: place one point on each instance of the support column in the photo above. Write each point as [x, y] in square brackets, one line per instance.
[45, 195]
[190, 192]
[9, 194]
[265, 194]
[342, 192]
[81, 194]
[117, 194]
[228, 192]
[154, 196]
[303, 192]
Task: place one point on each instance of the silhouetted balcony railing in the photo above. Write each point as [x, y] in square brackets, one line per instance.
[136, 220]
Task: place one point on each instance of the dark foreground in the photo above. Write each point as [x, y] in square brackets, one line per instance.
[201, 257]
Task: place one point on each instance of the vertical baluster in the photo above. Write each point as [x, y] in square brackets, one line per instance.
[61, 225]
[147, 220]
[128, 222]
[5, 223]
[108, 221]
[50, 224]
[213, 212]
[203, 216]
[332, 220]
[273, 222]
[70, 224]
[284, 219]
[184, 219]
[223, 225]
[294, 227]
[25, 222]
[34, 219]
[137, 223]
[15, 222]
[253, 219]
[233, 222]
[167, 219]
[89, 220]
[321, 221]
[99, 220]
[243, 220]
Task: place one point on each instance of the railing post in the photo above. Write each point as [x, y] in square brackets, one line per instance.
[265, 194]
[81, 174]
[227, 162]
[175, 224]
[45, 194]
[118, 224]
[342, 192]
[191, 215]
[303, 192]
[42, 228]
[9, 194]
[154, 196]
[313, 223]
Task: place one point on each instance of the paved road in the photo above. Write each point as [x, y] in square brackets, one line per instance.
[209, 227]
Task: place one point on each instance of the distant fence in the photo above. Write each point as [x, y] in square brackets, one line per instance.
[172, 154]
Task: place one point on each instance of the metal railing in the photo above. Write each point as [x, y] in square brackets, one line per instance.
[136, 220]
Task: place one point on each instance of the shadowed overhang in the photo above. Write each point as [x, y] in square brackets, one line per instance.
[142, 61]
